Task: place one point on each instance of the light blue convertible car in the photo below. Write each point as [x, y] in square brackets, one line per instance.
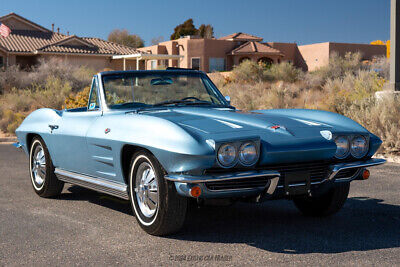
[162, 138]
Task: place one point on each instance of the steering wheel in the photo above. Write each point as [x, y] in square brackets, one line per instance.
[191, 97]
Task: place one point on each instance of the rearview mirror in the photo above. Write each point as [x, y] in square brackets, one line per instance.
[228, 99]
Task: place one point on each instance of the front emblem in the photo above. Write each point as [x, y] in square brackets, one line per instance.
[326, 134]
[275, 127]
[107, 130]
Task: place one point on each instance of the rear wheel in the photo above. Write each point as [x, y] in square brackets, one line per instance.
[44, 181]
[158, 208]
[325, 205]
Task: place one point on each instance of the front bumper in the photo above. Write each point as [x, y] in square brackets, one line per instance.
[184, 183]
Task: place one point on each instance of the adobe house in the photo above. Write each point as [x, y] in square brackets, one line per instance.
[213, 54]
[222, 54]
[28, 42]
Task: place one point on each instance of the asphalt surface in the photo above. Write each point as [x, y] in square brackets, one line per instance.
[82, 227]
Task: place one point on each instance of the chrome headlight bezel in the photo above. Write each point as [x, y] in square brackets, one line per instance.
[352, 149]
[235, 159]
[241, 157]
[238, 144]
[347, 151]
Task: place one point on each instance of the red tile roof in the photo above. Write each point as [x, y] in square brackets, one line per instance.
[255, 47]
[46, 41]
[241, 36]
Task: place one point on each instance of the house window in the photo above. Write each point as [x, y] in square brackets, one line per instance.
[165, 63]
[153, 64]
[216, 64]
[1, 61]
[196, 63]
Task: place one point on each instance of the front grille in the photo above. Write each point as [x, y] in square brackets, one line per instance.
[238, 183]
[318, 170]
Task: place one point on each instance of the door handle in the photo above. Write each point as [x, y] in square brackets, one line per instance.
[53, 127]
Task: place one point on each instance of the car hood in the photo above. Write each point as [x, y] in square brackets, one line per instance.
[211, 121]
[285, 135]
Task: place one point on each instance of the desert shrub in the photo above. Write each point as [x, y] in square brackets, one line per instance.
[11, 120]
[381, 66]
[341, 93]
[20, 103]
[339, 66]
[79, 99]
[381, 117]
[284, 71]
[248, 71]
[77, 76]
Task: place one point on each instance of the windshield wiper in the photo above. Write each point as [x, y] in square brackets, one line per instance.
[184, 102]
[169, 103]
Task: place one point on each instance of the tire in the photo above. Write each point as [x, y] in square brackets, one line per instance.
[165, 217]
[326, 204]
[44, 181]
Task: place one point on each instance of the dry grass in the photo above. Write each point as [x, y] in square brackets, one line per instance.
[46, 85]
[346, 86]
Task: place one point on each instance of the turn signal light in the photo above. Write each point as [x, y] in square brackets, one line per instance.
[195, 191]
[365, 174]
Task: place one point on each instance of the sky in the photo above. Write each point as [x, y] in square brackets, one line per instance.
[300, 21]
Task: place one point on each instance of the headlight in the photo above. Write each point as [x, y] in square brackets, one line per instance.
[342, 147]
[248, 153]
[358, 146]
[227, 155]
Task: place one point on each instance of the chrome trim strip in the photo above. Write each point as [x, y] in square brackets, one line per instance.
[216, 178]
[94, 183]
[358, 164]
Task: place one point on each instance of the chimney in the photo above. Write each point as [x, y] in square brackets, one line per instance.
[58, 30]
[67, 32]
[52, 27]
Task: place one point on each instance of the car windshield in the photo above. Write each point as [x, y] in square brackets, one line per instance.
[153, 89]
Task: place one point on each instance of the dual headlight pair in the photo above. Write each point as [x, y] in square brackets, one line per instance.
[230, 153]
[356, 145]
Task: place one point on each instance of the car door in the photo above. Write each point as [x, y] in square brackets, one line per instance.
[69, 134]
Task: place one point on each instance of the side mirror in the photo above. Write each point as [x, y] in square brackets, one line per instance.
[228, 99]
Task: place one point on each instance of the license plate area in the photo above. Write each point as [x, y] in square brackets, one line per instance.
[297, 183]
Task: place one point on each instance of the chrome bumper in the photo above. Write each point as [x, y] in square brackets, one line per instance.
[358, 164]
[223, 177]
[184, 182]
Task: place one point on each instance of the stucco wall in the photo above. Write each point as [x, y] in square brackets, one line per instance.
[367, 51]
[96, 62]
[315, 55]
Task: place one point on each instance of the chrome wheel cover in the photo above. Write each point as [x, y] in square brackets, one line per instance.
[38, 166]
[146, 189]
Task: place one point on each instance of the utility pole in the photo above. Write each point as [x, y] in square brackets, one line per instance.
[395, 45]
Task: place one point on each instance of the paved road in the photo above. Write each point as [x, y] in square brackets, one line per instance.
[86, 228]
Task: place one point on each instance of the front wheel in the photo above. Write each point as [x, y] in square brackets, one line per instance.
[325, 205]
[158, 208]
[44, 181]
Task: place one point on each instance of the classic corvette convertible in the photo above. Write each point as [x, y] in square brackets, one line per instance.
[162, 139]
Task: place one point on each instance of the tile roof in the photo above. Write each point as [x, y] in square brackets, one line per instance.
[255, 47]
[46, 41]
[241, 36]
[28, 41]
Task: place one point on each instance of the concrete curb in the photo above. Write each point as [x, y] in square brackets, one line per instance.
[8, 139]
